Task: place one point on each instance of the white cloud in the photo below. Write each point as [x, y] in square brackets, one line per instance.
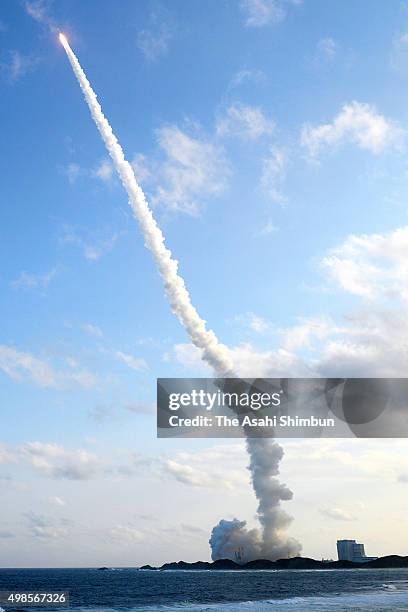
[135, 363]
[247, 74]
[34, 281]
[268, 228]
[39, 11]
[52, 460]
[56, 501]
[326, 48]
[336, 514]
[83, 378]
[126, 533]
[153, 44]
[104, 171]
[154, 41]
[399, 53]
[45, 527]
[371, 265]
[372, 344]
[350, 460]
[190, 475]
[141, 408]
[273, 173]
[55, 461]
[221, 467]
[243, 121]
[21, 366]
[141, 168]
[193, 530]
[301, 335]
[17, 65]
[92, 330]
[72, 172]
[368, 343]
[215, 468]
[259, 13]
[6, 456]
[92, 247]
[101, 413]
[250, 362]
[194, 169]
[258, 324]
[357, 123]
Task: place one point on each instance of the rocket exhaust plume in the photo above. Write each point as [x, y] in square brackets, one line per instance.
[271, 541]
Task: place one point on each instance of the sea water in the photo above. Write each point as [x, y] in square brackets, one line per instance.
[125, 589]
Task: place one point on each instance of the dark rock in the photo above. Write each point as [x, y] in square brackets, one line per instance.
[389, 562]
[294, 563]
[299, 563]
[225, 564]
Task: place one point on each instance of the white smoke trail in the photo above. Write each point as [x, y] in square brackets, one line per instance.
[268, 490]
[214, 352]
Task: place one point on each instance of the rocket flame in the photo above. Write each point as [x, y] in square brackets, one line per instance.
[63, 39]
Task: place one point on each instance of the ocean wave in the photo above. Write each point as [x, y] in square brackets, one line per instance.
[391, 596]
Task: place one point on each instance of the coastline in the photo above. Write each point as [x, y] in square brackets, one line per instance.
[295, 563]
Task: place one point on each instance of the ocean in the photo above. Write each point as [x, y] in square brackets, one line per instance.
[128, 590]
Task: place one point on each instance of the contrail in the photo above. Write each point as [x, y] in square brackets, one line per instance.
[268, 490]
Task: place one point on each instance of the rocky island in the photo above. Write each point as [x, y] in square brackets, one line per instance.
[295, 563]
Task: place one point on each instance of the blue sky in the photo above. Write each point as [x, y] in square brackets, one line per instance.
[270, 137]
